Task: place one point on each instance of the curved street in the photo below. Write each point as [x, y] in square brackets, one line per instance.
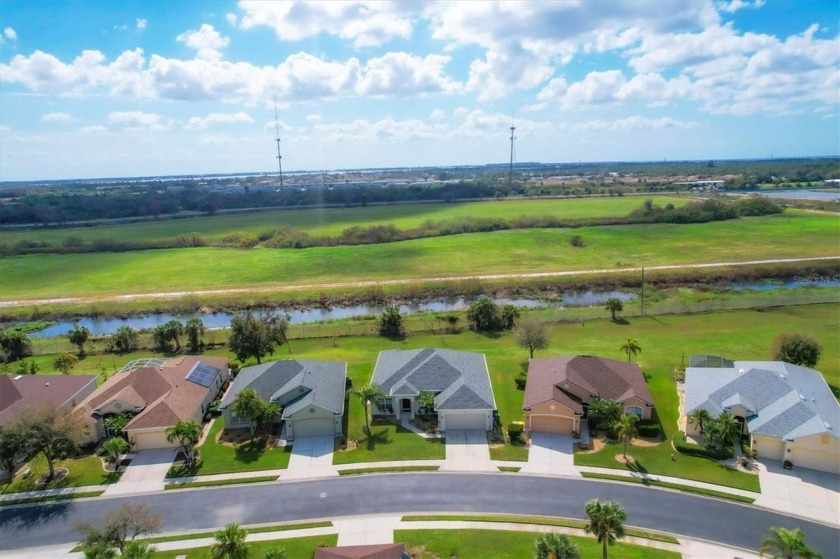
[210, 508]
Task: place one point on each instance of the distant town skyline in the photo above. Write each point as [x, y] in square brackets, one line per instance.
[109, 89]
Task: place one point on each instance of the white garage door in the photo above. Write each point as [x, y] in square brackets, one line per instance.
[815, 460]
[769, 449]
[145, 441]
[313, 428]
[466, 421]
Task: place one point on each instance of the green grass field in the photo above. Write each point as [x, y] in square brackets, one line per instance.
[794, 234]
[295, 548]
[332, 221]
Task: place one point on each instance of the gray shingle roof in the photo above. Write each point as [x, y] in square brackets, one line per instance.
[786, 401]
[294, 383]
[459, 378]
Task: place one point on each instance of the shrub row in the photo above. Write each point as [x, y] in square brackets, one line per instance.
[692, 449]
[648, 428]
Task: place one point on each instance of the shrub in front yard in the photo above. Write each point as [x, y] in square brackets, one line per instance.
[648, 428]
[692, 449]
[515, 429]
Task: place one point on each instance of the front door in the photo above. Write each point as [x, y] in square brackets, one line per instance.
[405, 406]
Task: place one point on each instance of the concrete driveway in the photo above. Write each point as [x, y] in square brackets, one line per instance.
[550, 454]
[800, 491]
[145, 473]
[467, 451]
[311, 458]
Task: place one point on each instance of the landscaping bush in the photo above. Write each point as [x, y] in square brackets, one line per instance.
[520, 381]
[515, 429]
[648, 428]
[692, 449]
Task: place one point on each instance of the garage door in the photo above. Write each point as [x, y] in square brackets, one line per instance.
[466, 421]
[313, 428]
[769, 449]
[145, 441]
[552, 424]
[823, 461]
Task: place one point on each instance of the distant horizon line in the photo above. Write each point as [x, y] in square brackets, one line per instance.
[138, 178]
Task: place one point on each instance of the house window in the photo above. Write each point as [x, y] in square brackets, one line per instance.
[386, 405]
[635, 410]
[236, 420]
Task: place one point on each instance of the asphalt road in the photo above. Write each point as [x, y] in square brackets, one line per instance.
[210, 508]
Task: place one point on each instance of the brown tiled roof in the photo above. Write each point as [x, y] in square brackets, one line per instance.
[601, 378]
[380, 551]
[36, 390]
[163, 394]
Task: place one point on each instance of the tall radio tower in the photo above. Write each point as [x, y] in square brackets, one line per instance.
[277, 139]
[512, 152]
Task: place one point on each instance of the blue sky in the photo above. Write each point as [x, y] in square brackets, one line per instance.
[95, 89]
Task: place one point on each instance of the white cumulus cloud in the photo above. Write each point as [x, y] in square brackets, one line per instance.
[56, 117]
[206, 41]
[200, 123]
[10, 34]
[137, 120]
[141, 24]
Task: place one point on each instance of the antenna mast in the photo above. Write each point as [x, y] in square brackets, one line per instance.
[512, 138]
[277, 139]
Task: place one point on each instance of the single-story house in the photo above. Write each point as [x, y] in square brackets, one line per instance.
[158, 394]
[19, 393]
[459, 380]
[311, 394]
[370, 551]
[788, 411]
[559, 390]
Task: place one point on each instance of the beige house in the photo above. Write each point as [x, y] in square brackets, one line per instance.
[789, 412]
[158, 393]
[560, 389]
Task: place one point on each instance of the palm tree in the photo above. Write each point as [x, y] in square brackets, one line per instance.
[614, 305]
[268, 415]
[787, 544]
[248, 405]
[187, 433]
[99, 550]
[138, 550]
[368, 393]
[555, 546]
[604, 412]
[230, 543]
[727, 427]
[625, 428]
[114, 447]
[631, 346]
[275, 553]
[606, 522]
[701, 417]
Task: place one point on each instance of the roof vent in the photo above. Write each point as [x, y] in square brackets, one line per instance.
[46, 384]
[827, 426]
[741, 371]
[18, 377]
[783, 377]
[802, 396]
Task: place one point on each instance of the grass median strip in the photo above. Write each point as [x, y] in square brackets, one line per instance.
[65, 497]
[190, 484]
[668, 485]
[389, 470]
[256, 530]
[537, 520]
[509, 468]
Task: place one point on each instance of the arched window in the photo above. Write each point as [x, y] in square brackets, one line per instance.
[634, 410]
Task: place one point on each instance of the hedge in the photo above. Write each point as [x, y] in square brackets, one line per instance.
[692, 449]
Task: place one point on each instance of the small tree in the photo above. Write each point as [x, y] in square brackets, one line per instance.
[366, 394]
[125, 339]
[52, 432]
[99, 550]
[160, 338]
[798, 349]
[174, 330]
[115, 446]
[426, 401]
[606, 522]
[194, 330]
[555, 546]
[14, 345]
[13, 448]
[631, 347]
[230, 543]
[625, 429]
[614, 305]
[65, 362]
[721, 430]
[249, 405]
[138, 550]
[115, 424]
[508, 316]
[604, 413]
[701, 417]
[532, 334]
[78, 336]
[390, 323]
[484, 314]
[787, 544]
[187, 433]
[268, 416]
[252, 336]
[121, 525]
[275, 553]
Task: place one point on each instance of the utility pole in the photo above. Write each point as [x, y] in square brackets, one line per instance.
[643, 291]
[512, 138]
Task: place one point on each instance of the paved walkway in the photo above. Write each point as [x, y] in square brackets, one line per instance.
[145, 473]
[467, 451]
[550, 454]
[311, 457]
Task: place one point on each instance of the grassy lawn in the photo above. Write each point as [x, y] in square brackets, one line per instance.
[296, 547]
[332, 221]
[668, 485]
[47, 499]
[794, 234]
[248, 456]
[386, 442]
[509, 452]
[84, 471]
[480, 544]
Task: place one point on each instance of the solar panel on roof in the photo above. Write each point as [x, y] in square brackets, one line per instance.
[203, 374]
